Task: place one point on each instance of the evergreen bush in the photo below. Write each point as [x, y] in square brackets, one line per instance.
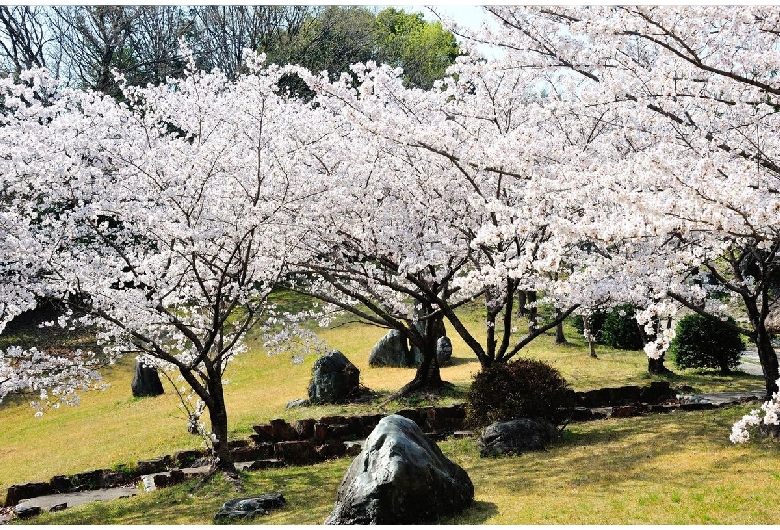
[701, 342]
[620, 329]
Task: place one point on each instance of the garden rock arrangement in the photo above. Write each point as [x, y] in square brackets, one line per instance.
[247, 508]
[334, 379]
[516, 436]
[146, 381]
[308, 441]
[392, 351]
[400, 477]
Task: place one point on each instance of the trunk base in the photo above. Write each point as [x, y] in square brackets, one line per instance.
[231, 476]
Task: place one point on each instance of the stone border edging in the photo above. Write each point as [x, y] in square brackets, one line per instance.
[303, 442]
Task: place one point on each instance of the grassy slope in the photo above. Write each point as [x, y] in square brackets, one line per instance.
[112, 427]
[663, 469]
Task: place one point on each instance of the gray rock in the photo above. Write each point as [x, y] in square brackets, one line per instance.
[300, 402]
[444, 350]
[246, 508]
[334, 379]
[516, 436]
[146, 381]
[26, 512]
[400, 477]
[391, 350]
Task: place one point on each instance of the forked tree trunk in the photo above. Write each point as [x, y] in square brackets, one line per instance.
[428, 375]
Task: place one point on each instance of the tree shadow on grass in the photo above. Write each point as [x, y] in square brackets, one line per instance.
[614, 453]
[477, 513]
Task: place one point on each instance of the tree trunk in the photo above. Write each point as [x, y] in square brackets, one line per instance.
[532, 311]
[768, 357]
[223, 460]
[521, 301]
[656, 366]
[589, 335]
[428, 375]
[560, 338]
[766, 352]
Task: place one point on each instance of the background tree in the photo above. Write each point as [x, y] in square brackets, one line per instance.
[24, 36]
[423, 49]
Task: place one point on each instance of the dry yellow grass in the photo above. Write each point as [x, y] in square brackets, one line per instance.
[112, 427]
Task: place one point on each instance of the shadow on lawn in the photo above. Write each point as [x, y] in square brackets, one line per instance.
[681, 449]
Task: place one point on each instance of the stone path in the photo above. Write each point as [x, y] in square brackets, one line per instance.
[749, 362]
[47, 502]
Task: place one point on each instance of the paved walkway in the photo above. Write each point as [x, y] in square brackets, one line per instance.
[749, 362]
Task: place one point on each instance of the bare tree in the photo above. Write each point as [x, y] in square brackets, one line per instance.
[24, 36]
[224, 31]
[94, 40]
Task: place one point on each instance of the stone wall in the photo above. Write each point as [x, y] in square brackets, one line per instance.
[308, 441]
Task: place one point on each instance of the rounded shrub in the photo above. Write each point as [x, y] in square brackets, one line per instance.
[701, 342]
[620, 329]
[523, 388]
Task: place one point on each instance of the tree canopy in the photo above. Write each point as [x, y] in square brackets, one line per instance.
[613, 155]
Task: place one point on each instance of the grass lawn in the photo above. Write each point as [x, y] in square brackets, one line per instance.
[663, 469]
[601, 472]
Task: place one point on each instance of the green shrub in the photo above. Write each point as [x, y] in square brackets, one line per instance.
[620, 329]
[596, 323]
[523, 388]
[701, 342]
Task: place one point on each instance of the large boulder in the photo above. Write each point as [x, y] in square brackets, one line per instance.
[400, 477]
[334, 379]
[391, 350]
[516, 436]
[146, 381]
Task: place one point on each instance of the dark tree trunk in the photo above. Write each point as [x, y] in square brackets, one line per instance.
[428, 375]
[766, 352]
[657, 367]
[521, 301]
[533, 311]
[560, 338]
[768, 358]
[223, 460]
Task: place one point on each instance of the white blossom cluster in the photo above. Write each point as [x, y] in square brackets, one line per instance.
[611, 155]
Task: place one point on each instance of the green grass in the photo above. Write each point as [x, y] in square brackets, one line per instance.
[678, 468]
[111, 428]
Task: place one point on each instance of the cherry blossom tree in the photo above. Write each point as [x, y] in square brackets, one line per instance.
[683, 101]
[165, 222]
[457, 185]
